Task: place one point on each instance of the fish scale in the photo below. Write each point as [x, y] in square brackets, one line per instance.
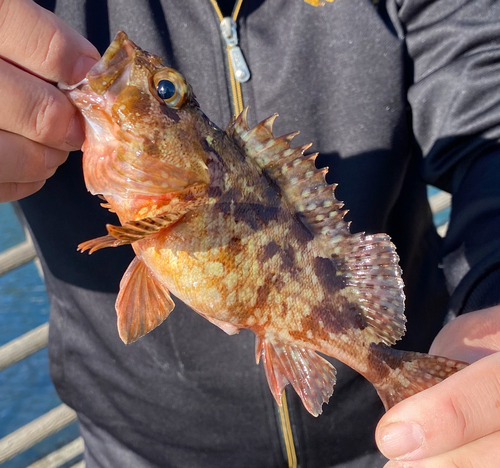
[244, 229]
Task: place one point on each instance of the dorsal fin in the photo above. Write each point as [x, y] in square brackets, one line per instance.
[368, 263]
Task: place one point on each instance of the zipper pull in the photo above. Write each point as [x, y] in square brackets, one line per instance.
[230, 36]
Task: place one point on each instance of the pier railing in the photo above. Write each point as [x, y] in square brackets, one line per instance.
[36, 339]
[20, 348]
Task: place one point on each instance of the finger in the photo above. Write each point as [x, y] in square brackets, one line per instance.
[482, 453]
[38, 41]
[23, 160]
[469, 337]
[11, 191]
[37, 110]
[458, 410]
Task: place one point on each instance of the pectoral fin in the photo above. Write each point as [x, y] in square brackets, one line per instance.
[312, 376]
[99, 243]
[129, 232]
[143, 302]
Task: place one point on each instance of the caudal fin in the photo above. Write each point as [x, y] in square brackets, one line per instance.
[405, 373]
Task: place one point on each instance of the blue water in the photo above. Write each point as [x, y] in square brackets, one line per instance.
[26, 391]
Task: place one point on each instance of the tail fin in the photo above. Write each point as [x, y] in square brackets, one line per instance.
[405, 373]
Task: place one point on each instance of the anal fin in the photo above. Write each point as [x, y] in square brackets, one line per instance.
[312, 376]
[143, 302]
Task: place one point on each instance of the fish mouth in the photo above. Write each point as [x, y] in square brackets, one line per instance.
[117, 58]
[111, 74]
[95, 95]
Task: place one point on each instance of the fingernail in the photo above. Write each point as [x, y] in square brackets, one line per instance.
[75, 135]
[399, 439]
[82, 66]
[396, 464]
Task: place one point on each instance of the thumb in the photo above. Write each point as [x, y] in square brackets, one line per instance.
[469, 337]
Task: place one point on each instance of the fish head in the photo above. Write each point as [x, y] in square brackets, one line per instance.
[143, 127]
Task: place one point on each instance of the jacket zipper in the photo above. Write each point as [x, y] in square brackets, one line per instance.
[238, 69]
[239, 73]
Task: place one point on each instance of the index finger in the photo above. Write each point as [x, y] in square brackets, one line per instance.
[38, 41]
[461, 409]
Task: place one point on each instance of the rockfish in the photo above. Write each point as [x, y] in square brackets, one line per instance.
[244, 229]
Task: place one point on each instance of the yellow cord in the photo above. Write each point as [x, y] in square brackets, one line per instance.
[236, 85]
[236, 9]
[287, 432]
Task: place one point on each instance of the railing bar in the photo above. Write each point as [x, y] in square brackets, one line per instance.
[25, 345]
[61, 456]
[442, 229]
[440, 201]
[35, 431]
[79, 465]
[17, 256]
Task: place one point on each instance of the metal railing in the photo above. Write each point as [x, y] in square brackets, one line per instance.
[20, 348]
[36, 339]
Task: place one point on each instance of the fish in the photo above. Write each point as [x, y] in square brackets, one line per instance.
[244, 229]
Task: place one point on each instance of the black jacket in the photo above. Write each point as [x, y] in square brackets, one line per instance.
[394, 95]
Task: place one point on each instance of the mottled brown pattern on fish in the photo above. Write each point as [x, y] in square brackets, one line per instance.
[329, 275]
[311, 330]
[338, 315]
[269, 251]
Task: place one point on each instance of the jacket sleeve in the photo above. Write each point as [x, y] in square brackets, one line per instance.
[454, 81]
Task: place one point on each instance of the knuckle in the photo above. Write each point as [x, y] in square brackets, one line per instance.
[42, 118]
[455, 462]
[460, 421]
[45, 51]
[46, 116]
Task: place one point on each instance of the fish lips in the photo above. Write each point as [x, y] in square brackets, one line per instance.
[117, 59]
[95, 95]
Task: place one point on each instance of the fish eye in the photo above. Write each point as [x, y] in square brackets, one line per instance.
[171, 87]
[165, 89]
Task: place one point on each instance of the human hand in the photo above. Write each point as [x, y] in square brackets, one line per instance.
[454, 424]
[38, 124]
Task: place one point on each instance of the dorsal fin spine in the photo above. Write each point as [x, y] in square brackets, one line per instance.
[262, 131]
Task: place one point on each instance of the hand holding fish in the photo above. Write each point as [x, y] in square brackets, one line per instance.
[38, 125]
[456, 422]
